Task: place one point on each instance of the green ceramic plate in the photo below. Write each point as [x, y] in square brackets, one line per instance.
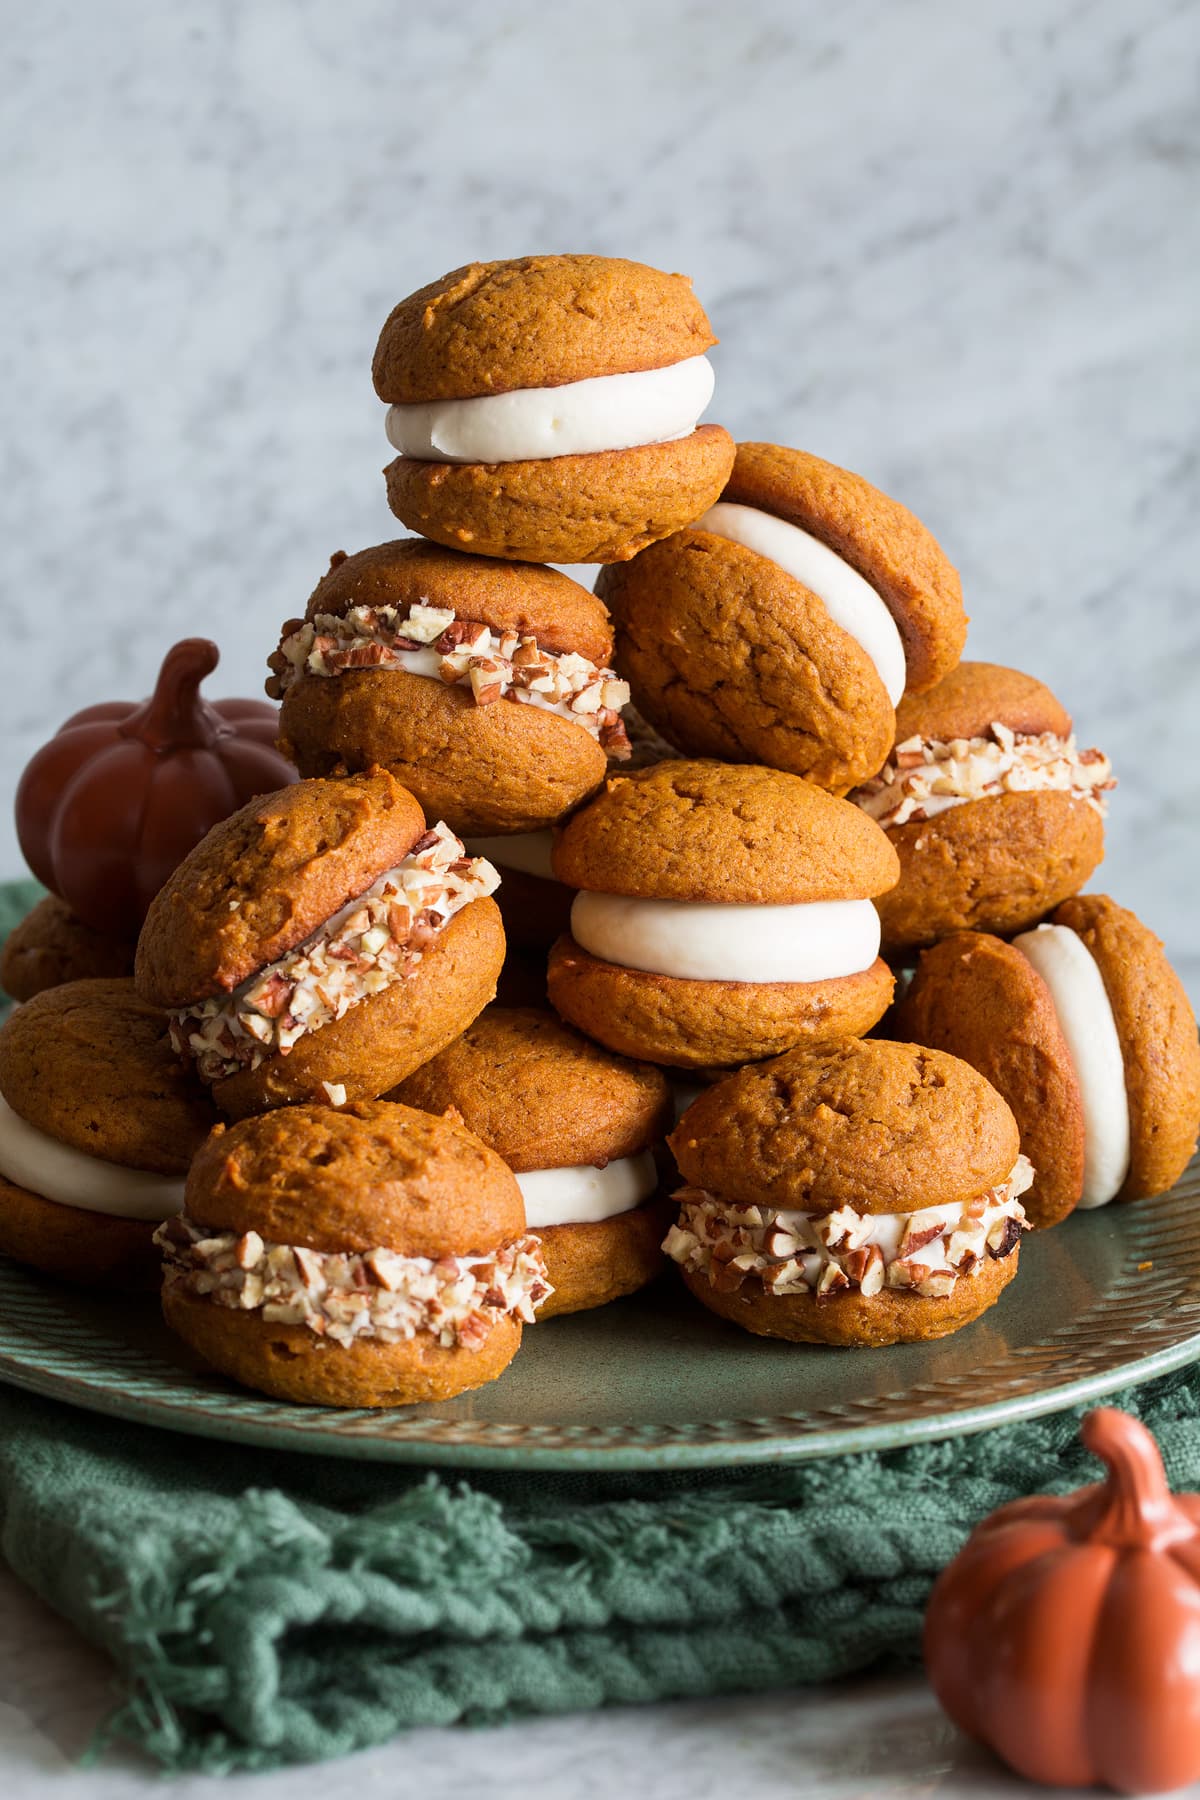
[1107, 1300]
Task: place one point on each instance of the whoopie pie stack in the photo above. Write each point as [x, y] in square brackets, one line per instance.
[697, 826]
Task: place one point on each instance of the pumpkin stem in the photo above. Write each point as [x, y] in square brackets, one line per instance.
[175, 717]
[1133, 1505]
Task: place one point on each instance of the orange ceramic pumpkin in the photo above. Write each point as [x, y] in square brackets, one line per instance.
[1066, 1634]
[113, 803]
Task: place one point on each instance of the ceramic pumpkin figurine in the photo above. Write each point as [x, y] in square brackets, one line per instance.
[1066, 1634]
[114, 802]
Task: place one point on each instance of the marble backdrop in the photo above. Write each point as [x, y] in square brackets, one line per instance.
[954, 247]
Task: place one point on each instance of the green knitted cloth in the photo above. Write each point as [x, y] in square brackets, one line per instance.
[265, 1608]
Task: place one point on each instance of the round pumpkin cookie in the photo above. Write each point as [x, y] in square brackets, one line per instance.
[321, 944]
[995, 813]
[577, 1126]
[786, 622]
[366, 1256]
[861, 1193]
[546, 408]
[98, 1123]
[482, 685]
[50, 946]
[724, 915]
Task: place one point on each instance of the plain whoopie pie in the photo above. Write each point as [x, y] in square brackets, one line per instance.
[320, 944]
[546, 408]
[367, 1256]
[723, 915]
[859, 1192]
[1084, 1027]
[578, 1126]
[995, 813]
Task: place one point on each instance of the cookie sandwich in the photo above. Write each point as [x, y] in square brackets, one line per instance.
[860, 1192]
[369, 1256]
[783, 625]
[321, 944]
[484, 686]
[995, 813]
[98, 1123]
[724, 914]
[1086, 1030]
[547, 408]
[578, 1127]
[51, 946]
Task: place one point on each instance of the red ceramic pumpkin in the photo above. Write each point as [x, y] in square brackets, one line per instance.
[113, 803]
[1066, 1634]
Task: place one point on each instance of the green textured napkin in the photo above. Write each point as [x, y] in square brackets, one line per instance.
[266, 1608]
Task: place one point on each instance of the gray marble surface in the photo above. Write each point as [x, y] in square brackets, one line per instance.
[953, 247]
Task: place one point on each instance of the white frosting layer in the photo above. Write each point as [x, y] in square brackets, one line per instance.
[607, 412]
[1070, 971]
[59, 1172]
[703, 942]
[528, 851]
[584, 1195]
[850, 601]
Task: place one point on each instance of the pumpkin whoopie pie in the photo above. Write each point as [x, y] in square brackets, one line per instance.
[724, 915]
[50, 946]
[577, 1126]
[784, 624]
[482, 685]
[320, 944]
[546, 408]
[994, 812]
[1085, 1028]
[365, 1256]
[98, 1123]
[857, 1192]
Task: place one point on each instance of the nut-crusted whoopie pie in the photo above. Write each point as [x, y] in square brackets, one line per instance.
[995, 813]
[1085, 1028]
[98, 1123]
[859, 1192]
[369, 1256]
[320, 944]
[724, 915]
[546, 408]
[578, 1126]
[484, 686]
[51, 946]
[784, 624]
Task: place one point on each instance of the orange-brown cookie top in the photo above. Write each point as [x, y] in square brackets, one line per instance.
[976, 696]
[536, 321]
[728, 833]
[543, 1096]
[366, 1176]
[527, 597]
[886, 543]
[91, 1065]
[877, 1126]
[1157, 1031]
[265, 878]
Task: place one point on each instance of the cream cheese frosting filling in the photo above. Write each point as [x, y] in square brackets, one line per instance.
[342, 1296]
[375, 940]
[56, 1171]
[925, 776]
[1084, 1011]
[526, 851]
[583, 1194]
[579, 418]
[699, 941]
[796, 1252]
[432, 641]
[848, 598]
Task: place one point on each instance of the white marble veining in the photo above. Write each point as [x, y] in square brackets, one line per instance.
[953, 247]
